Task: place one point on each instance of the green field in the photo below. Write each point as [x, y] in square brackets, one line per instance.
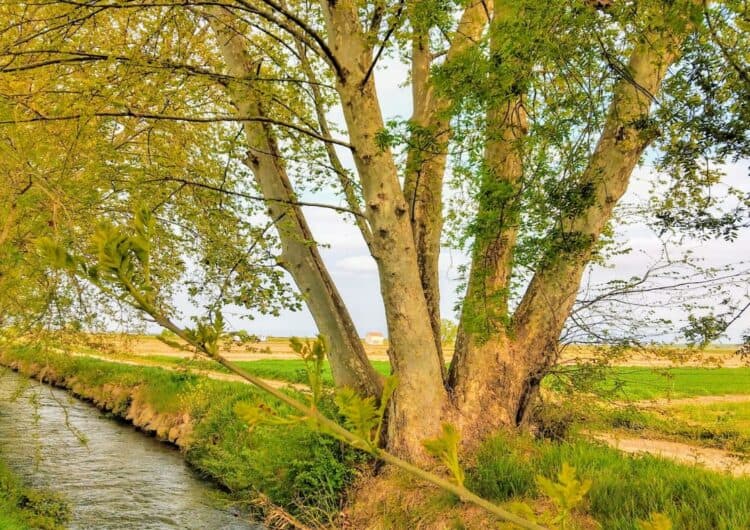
[634, 383]
[626, 383]
[290, 370]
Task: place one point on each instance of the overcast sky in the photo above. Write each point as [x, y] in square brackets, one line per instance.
[356, 276]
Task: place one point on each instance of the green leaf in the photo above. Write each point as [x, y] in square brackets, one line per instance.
[567, 493]
[360, 414]
[445, 448]
[522, 510]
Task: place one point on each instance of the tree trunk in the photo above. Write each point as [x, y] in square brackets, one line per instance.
[427, 156]
[486, 369]
[420, 396]
[497, 375]
[300, 255]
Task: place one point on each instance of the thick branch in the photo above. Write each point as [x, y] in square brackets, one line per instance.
[346, 184]
[426, 158]
[300, 255]
[550, 296]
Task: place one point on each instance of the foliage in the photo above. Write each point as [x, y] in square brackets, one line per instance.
[445, 448]
[567, 493]
[313, 355]
[362, 416]
[624, 488]
[192, 130]
[22, 507]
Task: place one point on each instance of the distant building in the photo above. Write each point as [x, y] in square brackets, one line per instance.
[262, 338]
[374, 338]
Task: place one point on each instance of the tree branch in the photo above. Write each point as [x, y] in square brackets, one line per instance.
[260, 198]
[189, 119]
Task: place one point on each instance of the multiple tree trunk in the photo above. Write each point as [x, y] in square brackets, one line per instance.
[500, 357]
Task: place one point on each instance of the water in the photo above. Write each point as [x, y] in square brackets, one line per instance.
[120, 479]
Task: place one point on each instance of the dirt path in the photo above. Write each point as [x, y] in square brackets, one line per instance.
[714, 459]
[695, 400]
[219, 376]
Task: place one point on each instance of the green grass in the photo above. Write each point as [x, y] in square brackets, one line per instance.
[730, 415]
[625, 489]
[290, 370]
[24, 508]
[293, 370]
[721, 425]
[307, 473]
[637, 383]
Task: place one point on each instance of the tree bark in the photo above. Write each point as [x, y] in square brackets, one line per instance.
[496, 377]
[300, 255]
[427, 155]
[484, 355]
[420, 397]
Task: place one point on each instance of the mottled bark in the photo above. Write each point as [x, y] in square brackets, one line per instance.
[484, 355]
[427, 155]
[299, 255]
[497, 377]
[415, 410]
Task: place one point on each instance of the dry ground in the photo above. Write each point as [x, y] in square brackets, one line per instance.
[278, 348]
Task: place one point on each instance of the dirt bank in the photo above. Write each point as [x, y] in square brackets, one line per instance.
[125, 403]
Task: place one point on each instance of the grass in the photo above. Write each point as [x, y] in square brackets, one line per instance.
[629, 383]
[24, 508]
[294, 370]
[722, 425]
[731, 415]
[625, 489]
[307, 474]
[634, 383]
[290, 370]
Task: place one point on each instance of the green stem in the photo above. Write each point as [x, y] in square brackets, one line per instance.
[331, 426]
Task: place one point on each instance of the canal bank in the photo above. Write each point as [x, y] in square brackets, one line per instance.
[110, 476]
[306, 475]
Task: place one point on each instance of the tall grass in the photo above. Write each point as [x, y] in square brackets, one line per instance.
[625, 488]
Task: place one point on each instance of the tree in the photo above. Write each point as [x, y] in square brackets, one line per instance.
[539, 113]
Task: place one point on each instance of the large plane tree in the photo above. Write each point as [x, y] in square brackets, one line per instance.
[528, 120]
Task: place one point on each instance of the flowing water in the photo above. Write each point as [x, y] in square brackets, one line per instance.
[118, 479]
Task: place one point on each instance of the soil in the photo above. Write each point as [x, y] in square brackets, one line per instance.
[278, 348]
[714, 459]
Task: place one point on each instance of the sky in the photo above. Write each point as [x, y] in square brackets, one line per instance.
[355, 273]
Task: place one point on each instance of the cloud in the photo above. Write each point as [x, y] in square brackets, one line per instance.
[359, 264]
